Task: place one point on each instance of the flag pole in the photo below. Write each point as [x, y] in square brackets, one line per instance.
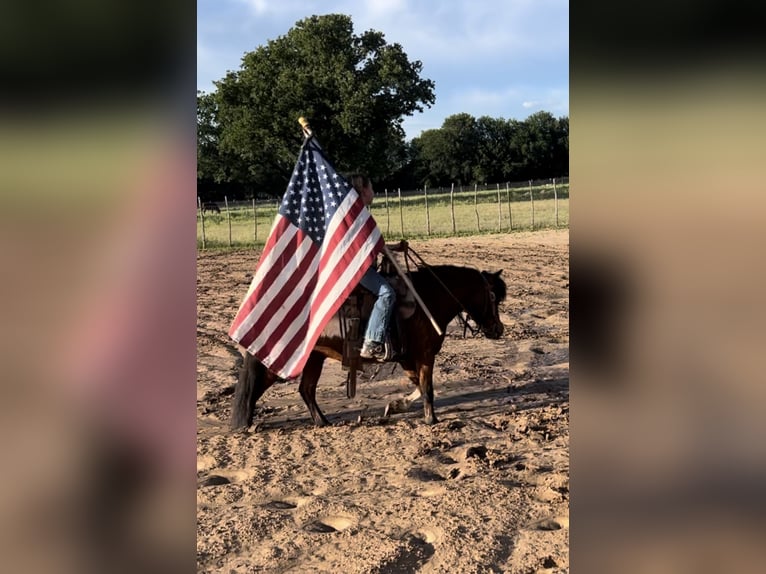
[411, 287]
[307, 131]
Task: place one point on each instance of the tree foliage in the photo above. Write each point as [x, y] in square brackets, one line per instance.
[466, 150]
[208, 164]
[354, 89]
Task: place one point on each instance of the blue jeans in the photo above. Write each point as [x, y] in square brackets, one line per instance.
[377, 326]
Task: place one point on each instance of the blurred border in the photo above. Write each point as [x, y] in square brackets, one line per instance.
[667, 228]
[98, 235]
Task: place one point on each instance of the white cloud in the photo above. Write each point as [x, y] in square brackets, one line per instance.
[203, 54]
[301, 8]
[206, 67]
[474, 97]
[452, 31]
[555, 101]
[503, 59]
[379, 8]
[461, 31]
[517, 102]
[258, 6]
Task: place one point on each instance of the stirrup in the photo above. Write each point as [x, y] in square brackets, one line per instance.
[372, 351]
[388, 350]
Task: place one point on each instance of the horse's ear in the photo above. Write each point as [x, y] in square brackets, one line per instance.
[497, 273]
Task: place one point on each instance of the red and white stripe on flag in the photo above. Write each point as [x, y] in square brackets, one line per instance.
[300, 284]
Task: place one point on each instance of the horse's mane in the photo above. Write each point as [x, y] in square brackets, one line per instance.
[447, 272]
[445, 269]
[443, 272]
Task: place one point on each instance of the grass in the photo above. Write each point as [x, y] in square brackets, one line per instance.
[411, 221]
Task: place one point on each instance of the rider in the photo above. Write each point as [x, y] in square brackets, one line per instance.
[375, 344]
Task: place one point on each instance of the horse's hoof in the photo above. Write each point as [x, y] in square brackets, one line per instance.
[397, 406]
[432, 420]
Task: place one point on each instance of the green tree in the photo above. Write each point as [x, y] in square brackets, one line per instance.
[516, 162]
[432, 160]
[462, 136]
[207, 136]
[218, 172]
[405, 176]
[561, 148]
[448, 154]
[490, 150]
[354, 89]
[209, 165]
[495, 154]
[540, 140]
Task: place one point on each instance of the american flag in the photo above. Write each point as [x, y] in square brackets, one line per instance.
[322, 242]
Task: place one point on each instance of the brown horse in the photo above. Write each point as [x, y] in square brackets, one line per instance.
[211, 206]
[445, 289]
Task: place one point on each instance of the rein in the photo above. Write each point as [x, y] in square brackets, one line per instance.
[466, 325]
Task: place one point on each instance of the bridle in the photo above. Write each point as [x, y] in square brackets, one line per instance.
[487, 311]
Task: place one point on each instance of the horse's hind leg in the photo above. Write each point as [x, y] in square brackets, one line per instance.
[254, 379]
[308, 387]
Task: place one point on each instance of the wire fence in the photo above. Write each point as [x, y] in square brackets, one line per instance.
[436, 212]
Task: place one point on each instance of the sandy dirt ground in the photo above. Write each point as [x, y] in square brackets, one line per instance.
[484, 490]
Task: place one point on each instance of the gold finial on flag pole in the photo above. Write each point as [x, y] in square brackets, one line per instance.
[305, 125]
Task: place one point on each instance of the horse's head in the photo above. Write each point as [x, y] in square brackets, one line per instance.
[485, 309]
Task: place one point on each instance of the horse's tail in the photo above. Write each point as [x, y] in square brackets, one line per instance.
[253, 381]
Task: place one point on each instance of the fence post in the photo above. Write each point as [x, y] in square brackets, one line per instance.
[476, 206]
[255, 219]
[556, 202]
[388, 215]
[401, 214]
[532, 201]
[228, 216]
[428, 214]
[510, 214]
[499, 210]
[452, 205]
[202, 219]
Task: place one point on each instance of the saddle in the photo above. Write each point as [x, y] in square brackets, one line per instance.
[354, 314]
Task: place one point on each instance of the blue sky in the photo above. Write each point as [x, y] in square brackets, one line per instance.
[500, 58]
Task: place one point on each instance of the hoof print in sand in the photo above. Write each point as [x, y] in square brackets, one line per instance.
[215, 480]
[318, 527]
[553, 523]
[280, 505]
[423, 474]
[415, 551]
[328, 524]
[479, 452]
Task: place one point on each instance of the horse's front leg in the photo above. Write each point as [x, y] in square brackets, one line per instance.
[308, 387]
[426, 379]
